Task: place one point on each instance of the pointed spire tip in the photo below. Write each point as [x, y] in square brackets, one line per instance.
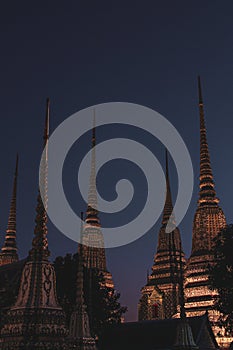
[93, 130]
[17, 164]
[40, 243]
[168, 206]
[166, 163]
[200, 91]
[46, 127]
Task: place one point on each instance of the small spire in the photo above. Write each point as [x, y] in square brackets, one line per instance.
[90, 296]
[207, 194]
[9, 250]
[92, 212]
[199, 91]
[168, 207]
[81, 229]
[181, 286]
[40, 243]
[174, 268]
[80, 281]
[184, 334]
[46, 128]
[79, 322]
[81, 235]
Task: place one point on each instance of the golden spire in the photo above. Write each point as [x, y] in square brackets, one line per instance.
[9, 250]
[207, 194]
[40, 243]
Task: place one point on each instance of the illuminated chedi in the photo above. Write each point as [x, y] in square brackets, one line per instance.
[209, 219]
[9, 250]
[92, 237]
[160, 296]
[36, 321]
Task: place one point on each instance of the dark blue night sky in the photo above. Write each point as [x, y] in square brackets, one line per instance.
[85, 53]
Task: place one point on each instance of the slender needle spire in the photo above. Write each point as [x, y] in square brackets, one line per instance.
[80, 245]
[207, 194]
[200, 91]
[46, 128]
[93, 132]
[40, 243]
[181, 286]
[168, 207]
[184, 334]
[92, 212]
[80, 280]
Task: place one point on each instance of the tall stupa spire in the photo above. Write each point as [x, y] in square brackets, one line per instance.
[9, 250]
[209, 219]
[36, 321]
[207, 194]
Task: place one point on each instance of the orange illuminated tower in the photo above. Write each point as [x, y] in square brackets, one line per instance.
[160, 296]
[209, 219]
[36, 321]
[92, 237]
[9, 250]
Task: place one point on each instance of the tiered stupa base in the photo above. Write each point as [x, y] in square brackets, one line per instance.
[41, 329]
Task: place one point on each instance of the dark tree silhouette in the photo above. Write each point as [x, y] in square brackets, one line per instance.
[66, 271]
[221, 275]
[102, 303]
